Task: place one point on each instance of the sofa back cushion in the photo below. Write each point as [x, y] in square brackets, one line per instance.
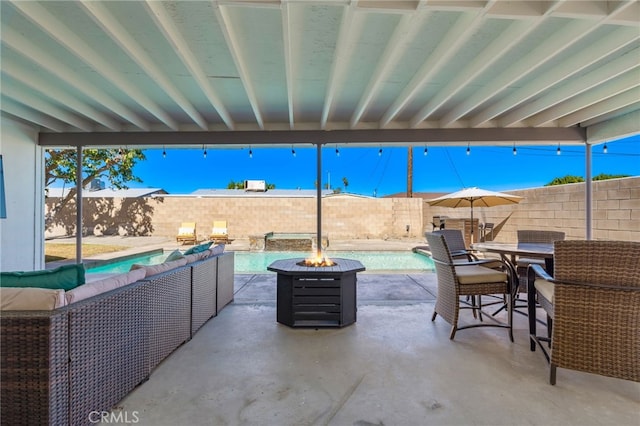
[151, 270]
[101, 286]
[30, 299]
[64, 277]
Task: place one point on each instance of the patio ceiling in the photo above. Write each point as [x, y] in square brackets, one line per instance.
[288, 71]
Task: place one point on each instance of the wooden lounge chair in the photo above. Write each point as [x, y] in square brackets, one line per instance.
[593, 308]
[187, 233]
[219, 232]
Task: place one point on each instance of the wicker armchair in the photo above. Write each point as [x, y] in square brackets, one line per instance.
[465, 279]
[456, 245]
[593, 308]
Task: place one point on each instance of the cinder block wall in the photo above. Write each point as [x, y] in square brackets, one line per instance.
[616, 214]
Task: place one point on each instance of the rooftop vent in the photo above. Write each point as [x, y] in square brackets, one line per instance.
[255, 185]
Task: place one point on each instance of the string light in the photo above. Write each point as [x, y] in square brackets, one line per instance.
[604, 148]
[515, 151]
[337, 151]
[164, 152]
[204, 152]
[250, 152]
[380, 152]
[558, 151]
[293, 151]
[426, 151]
[468, 148]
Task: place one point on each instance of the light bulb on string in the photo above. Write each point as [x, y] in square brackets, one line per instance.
[380, 152]
[337, 151]
[515, 151]
[293, 151]
[204, 152]
[558, 151]
[164, 152]
[250, 153]
[604, 148]
[426, 151]
[468, 149]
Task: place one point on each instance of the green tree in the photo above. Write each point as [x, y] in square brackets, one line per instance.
[345, 183]
[113, 165]
[577, 179]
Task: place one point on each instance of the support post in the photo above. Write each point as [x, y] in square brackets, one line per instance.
[319, 200]
[588, 205]
[79, 204]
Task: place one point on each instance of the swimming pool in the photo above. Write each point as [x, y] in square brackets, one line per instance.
[257, 262]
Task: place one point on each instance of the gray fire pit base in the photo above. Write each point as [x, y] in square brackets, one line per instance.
[316, 297]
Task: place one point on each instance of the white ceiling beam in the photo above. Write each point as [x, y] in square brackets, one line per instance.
[568, 67]
[235, 50]
[512, 36]
[609, 105]
[396, 47]
[616, 128]
[60, 33]
[182, 49]
[613, 69]
[455, 38]
[569, 111]
[628, 14]
[110, 25]
[39, 104]
[55, 93]
[52, 65]
[20, 111]
[565, 37]
[614, 115]
[288, 59]
[341, 57]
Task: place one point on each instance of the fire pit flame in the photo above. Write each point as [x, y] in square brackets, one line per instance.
[317, 262]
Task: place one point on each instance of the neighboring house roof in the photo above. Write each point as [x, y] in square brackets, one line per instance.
[109, 193]
[289, 193]
[425, 195]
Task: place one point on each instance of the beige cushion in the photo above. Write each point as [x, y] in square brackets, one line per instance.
[194, 257]
[545, 288]
[217, 249]
[186, 231]
[219, 231]
[102, 286]
[475, 274]
[31, 299]
[151, 270]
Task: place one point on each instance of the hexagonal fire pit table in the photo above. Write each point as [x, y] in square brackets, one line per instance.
[316, 296]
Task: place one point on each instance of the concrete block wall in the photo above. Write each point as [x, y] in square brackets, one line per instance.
[616, 214]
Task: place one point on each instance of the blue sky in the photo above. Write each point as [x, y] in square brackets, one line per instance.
[368, 173]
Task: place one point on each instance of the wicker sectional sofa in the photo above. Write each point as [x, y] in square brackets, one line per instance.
[59, 366]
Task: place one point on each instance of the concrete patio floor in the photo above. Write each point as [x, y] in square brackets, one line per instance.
[392, 367]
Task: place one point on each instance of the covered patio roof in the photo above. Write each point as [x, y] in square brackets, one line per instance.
[333, 71]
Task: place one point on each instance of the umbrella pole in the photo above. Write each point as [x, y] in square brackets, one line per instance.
[472, 221]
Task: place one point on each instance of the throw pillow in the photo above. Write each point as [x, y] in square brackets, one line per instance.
[174, 255]
[199, 248]
[65, 277]
[219, 249]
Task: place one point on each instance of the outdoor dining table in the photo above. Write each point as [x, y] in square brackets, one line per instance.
[509, 252]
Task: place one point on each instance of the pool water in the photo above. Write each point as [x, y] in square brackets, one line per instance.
[257, 262]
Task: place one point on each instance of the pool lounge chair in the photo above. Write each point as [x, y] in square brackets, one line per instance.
[187, 233]
[219, 233]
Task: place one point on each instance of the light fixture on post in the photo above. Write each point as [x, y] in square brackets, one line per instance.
[604, 148]
[468, 148]
[558, 151]
[515, 151]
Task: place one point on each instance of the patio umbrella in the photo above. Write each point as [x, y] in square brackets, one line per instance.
[470, 197]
